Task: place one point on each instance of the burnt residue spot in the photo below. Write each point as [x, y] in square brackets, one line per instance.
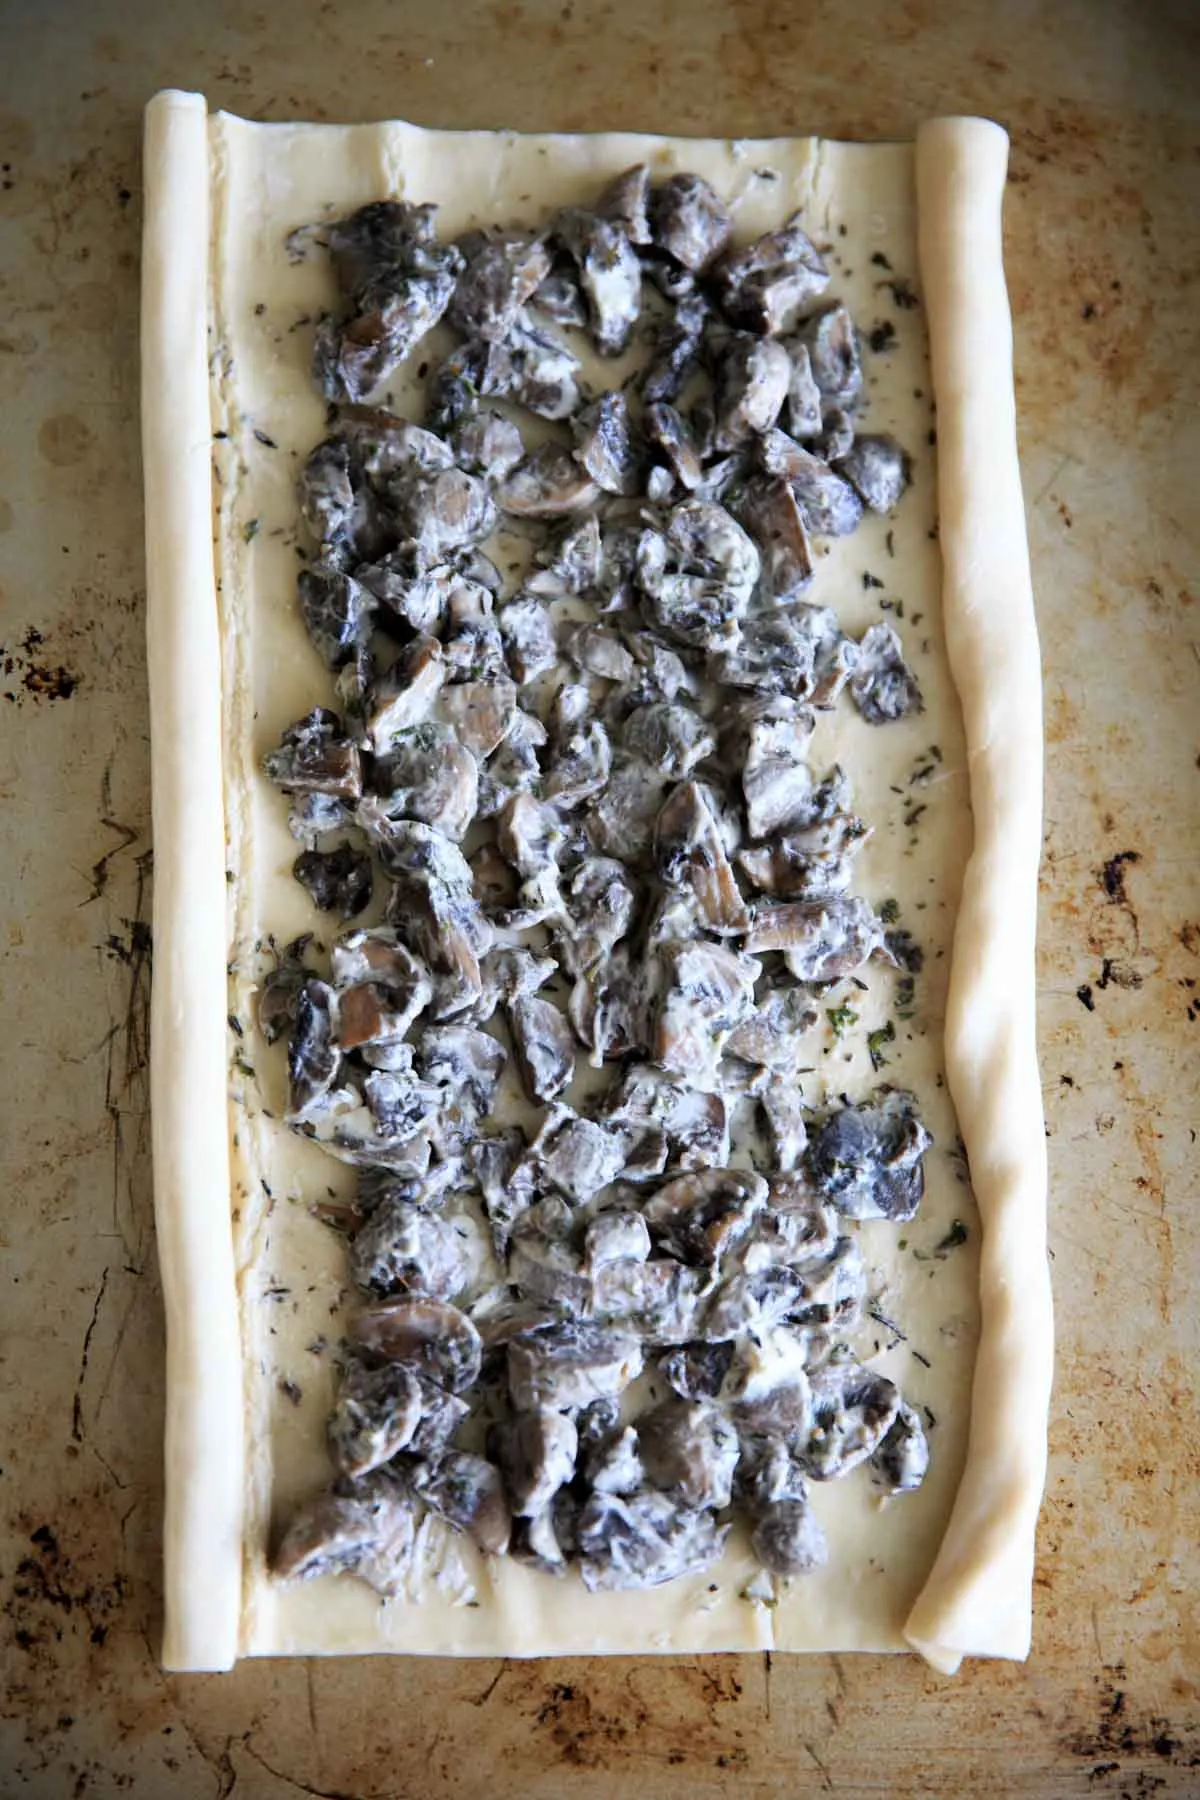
[28, 673]
[1116, 1734]
[51, 1596]
[1112, 876]
[1085, 997]
[1118, 974]
[583, 1733]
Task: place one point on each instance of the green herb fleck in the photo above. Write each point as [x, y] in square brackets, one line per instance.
[876, 1041]
[956, 1236]
[841, 1018]
[889, 912]
[245, 1068]
[250, 530]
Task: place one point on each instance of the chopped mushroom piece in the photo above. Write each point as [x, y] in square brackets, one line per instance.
[768, 283]
[672, 739]
[577, 1156]
[883, 687]
[570, 1364]
[878, 469]
[854, 1409]
[612, 1464]
[488, 445]
[314, 1058]
[785, 1113]
[644, 1539]
[689, 851]
[772, 1037]
[900, 1463]
[600, 901]
[776, 780]
[868, 1158]
[708, 992]
[338, 613]
[527, 628]
[501, 271]
[368, 1531]
[481, 714]
[658, 1298]
[695, 1125]
[609, 1006]
[391, 311]
[822, 940]
[769, 510]
[539, 370]
[545, 1047]
[406, 694]
[621, 819]
[468, 1492]
[597, 650]
[753, 378]
[571, 560]
[605, 445]
[698, 574]
[810, 864]
[609, 274]
[338, 880]
[672, 436]
[702, 1216]
[625, 201]
[752, 1303]
[829, 505]
[466, 1065]
[676, 350]
[795, 1228]
[616, 1237]
[549, 483]
[697, 1371]
[536, 1451]
[314, 757]
[429, 1336]
[376, 1413]
[401, 1249]
[689, 1449]
[798, 651]
[802, 412]
[787, 1538]
[832, 344]
[428, 774]
[580, 766]
[689, 220]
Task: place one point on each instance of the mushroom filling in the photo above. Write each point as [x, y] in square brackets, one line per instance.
[606, 889]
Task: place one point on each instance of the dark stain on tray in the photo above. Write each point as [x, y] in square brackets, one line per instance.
[27, 673]
[1116, 1736]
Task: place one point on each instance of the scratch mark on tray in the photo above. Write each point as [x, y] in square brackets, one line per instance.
[825, 1776]
[493, 1684]
[301, 1787]
[77, 1403]
[767, 1680]
[312, 1702]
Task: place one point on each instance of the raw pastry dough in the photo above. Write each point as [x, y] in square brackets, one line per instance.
[236, 1240]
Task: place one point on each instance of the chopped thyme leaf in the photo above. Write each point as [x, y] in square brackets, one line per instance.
[841, 1018]
[244, 1068]
[250, 530]
[236, 1026]
[875, 1042]
[889, 912]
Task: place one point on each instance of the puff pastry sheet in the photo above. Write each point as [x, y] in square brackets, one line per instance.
[228, 667]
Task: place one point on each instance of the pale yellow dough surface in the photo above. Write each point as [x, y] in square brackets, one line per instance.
[241, 1251]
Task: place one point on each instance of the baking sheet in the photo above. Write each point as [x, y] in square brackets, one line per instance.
[1101, 235]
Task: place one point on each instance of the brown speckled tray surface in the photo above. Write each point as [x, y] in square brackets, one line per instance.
[1103, 240]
